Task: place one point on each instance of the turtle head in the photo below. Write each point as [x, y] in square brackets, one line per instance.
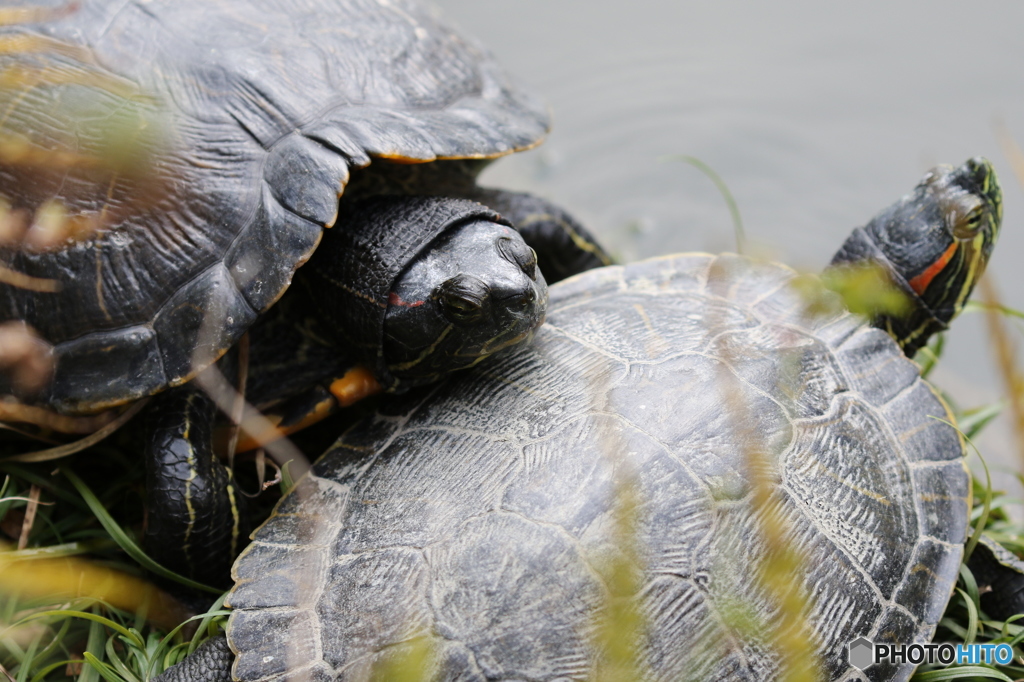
[474, 290]
[955, 215]
[935, 242]
[417, 287]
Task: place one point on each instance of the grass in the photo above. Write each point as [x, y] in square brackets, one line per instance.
[723, 189]
[76, 603]
[965, 620]
[80, 598]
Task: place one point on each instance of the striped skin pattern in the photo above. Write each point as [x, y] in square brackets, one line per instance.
[477, 514]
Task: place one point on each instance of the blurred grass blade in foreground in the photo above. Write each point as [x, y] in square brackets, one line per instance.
[72, 578]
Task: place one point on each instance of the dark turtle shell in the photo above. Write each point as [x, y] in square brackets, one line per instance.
[266, 106]
[480, 516]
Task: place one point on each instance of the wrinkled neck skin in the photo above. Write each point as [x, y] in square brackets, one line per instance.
[935, 242]
[381, 178]
[471, 293]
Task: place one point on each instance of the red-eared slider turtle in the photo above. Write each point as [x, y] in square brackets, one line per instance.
[272, 110]
[477, 515]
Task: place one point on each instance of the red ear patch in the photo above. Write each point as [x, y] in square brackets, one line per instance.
[394, 299]
[920, 283]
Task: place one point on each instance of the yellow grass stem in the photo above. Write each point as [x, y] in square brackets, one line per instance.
[71, 578]
[410, 662]
[1006, 360]
[779, 571]
[621, 627]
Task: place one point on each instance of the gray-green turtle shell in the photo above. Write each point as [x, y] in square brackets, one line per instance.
[266, 106]
[478, 515]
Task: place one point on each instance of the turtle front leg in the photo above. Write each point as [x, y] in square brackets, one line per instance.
[564, 247]
[196, 521]
[210, 662]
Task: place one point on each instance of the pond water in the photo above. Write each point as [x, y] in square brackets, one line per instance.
[815, 114]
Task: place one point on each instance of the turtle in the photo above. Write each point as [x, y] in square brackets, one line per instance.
[481, 518]
[268, 112]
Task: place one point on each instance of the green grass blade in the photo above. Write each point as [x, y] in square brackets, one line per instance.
[410, 663]
[970, 585]
[287, 481]
[56, 640]
[1008, 629]
[972, 618]
[94, 617]
[986, 509]
[63, 550]
[928, 357]
[101, 668]
[981, 306]
[959, 673]
[43, 482]
[987, 502]
[115, 662]
[41, 675]
[172, 656]
[973, 421]
[94, 644]
[157, 653]
[214, 611]
[734, 209]
[125, 542]
[14, 649]
[30, 656]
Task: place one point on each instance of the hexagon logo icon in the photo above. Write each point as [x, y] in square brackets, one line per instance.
[861, 652]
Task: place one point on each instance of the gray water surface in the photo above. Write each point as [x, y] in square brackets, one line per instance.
[816, 115]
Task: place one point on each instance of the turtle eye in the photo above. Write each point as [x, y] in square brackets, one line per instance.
[969, 225]
[462, 298]
[516, 251]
